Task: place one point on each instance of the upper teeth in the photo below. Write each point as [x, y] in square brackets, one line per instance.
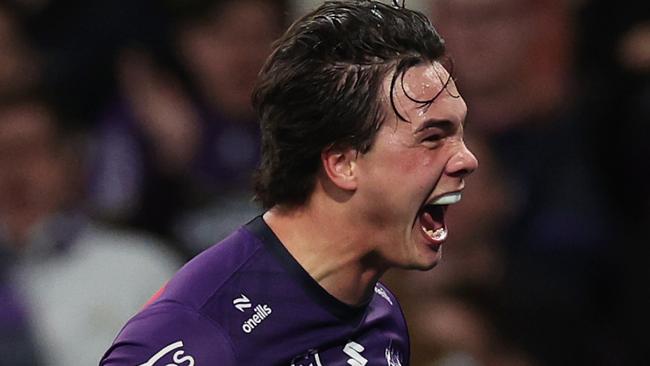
[448, 199]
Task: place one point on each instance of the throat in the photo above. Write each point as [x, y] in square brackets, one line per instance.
[351, 288]
[336, 260]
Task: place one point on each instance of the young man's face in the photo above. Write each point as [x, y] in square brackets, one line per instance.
[34, 174]
[414, 170]
[238, 38]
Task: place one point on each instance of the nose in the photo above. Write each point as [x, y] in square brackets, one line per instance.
[462, 163]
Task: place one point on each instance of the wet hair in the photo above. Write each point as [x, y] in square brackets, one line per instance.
[322, 87]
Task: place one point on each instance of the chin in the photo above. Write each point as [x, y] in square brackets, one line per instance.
[430, 259]
[420, 255]
[424, 262]
[425, 267]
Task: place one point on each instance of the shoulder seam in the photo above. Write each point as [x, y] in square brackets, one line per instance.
[236, 270]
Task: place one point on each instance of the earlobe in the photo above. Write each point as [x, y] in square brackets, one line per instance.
[340, 167]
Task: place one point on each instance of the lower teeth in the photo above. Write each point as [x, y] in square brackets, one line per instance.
[439, 234]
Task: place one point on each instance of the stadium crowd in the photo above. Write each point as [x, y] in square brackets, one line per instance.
[127, 143]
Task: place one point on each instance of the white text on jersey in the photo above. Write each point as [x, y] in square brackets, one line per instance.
[178, 357]
[381, 292]
[261, 313]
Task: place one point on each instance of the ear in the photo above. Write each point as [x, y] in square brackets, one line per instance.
[339, 165]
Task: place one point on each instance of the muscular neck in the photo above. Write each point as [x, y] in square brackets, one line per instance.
[322, 238]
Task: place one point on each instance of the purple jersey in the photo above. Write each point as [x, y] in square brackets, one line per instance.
[246, 301]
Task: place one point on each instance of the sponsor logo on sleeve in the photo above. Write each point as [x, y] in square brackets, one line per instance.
[178, 356]
[354, 350]
[242, 303]
[261, 312]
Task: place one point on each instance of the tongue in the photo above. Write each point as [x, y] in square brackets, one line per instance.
[433, 218]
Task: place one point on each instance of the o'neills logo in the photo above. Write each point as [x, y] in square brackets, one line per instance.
[261, 313]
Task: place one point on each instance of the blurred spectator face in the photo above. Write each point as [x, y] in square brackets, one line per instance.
[32, 169]
[511, 56]
[486, 38]
[17, 64]
[225, 54]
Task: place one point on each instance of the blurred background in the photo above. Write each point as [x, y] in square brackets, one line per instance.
[127, 142]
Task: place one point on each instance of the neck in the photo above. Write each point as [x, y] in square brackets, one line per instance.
[323, 241]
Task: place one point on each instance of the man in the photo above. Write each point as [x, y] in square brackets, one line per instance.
[362, 134]
[181, 138]
[68, 282]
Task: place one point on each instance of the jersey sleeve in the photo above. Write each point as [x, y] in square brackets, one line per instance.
[170, 334]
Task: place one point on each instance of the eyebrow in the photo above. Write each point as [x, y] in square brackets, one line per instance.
[443, 124]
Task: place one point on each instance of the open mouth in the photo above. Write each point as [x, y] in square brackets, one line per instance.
[432, 218]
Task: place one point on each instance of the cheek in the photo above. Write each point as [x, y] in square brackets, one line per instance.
[408, 164]
[428, 173]
[427, 162]
[404, 160]
[422, 167]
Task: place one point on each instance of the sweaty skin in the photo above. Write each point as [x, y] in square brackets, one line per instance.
[410, 164]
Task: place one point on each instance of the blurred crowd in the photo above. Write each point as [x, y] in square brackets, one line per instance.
[127, 144]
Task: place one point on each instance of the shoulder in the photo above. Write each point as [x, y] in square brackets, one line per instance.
[187, 319]
[385, 298]
[170, 333]
[384, 293]
[387, 308]
[385, 303]
[215, 270]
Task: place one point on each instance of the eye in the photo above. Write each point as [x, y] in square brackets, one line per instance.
[433, 132]
[432, 139]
